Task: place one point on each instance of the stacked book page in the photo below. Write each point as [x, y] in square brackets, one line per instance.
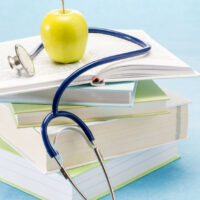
[21, 173]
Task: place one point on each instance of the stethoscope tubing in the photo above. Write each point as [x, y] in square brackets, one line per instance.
[145, 47]
[55, 113]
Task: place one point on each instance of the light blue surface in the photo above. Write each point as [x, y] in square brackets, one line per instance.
[176, 25]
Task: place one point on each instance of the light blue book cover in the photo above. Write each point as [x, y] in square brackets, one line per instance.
[110, 94]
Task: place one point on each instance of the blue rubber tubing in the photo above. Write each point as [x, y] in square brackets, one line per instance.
[56, 113]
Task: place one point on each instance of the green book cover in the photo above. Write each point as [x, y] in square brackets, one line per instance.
[147, 90]
[79, 170]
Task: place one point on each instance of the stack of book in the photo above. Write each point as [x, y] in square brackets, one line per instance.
[137, 124]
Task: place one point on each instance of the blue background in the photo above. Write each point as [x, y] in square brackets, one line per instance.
[173, 23]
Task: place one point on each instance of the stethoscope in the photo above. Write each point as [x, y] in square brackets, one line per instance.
[25, 61]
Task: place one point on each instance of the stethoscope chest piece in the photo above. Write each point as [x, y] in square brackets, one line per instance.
[22, 61]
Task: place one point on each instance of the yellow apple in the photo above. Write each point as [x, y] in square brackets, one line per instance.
[64, 35]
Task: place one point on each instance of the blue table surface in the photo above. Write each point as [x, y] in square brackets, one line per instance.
[173, 23]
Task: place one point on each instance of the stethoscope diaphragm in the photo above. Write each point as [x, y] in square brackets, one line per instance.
[22, 61]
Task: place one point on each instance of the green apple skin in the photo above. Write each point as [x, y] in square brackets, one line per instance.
[64, 35]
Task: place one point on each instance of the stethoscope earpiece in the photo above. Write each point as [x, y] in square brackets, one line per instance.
[22, 61]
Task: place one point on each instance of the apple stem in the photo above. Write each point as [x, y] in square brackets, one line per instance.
[63, 6]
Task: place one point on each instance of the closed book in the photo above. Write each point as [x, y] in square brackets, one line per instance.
[110, 94]
[149, 98]
[114, 137]
[22, 174]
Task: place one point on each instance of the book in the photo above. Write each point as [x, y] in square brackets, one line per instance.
[114, 137]
[118, 94]
[22, 174]
[149, 98]
[159, 63]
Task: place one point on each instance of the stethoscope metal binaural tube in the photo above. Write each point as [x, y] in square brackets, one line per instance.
[14, 61]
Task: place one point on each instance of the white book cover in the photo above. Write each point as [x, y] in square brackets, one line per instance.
[159, 63]
[21, 173]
